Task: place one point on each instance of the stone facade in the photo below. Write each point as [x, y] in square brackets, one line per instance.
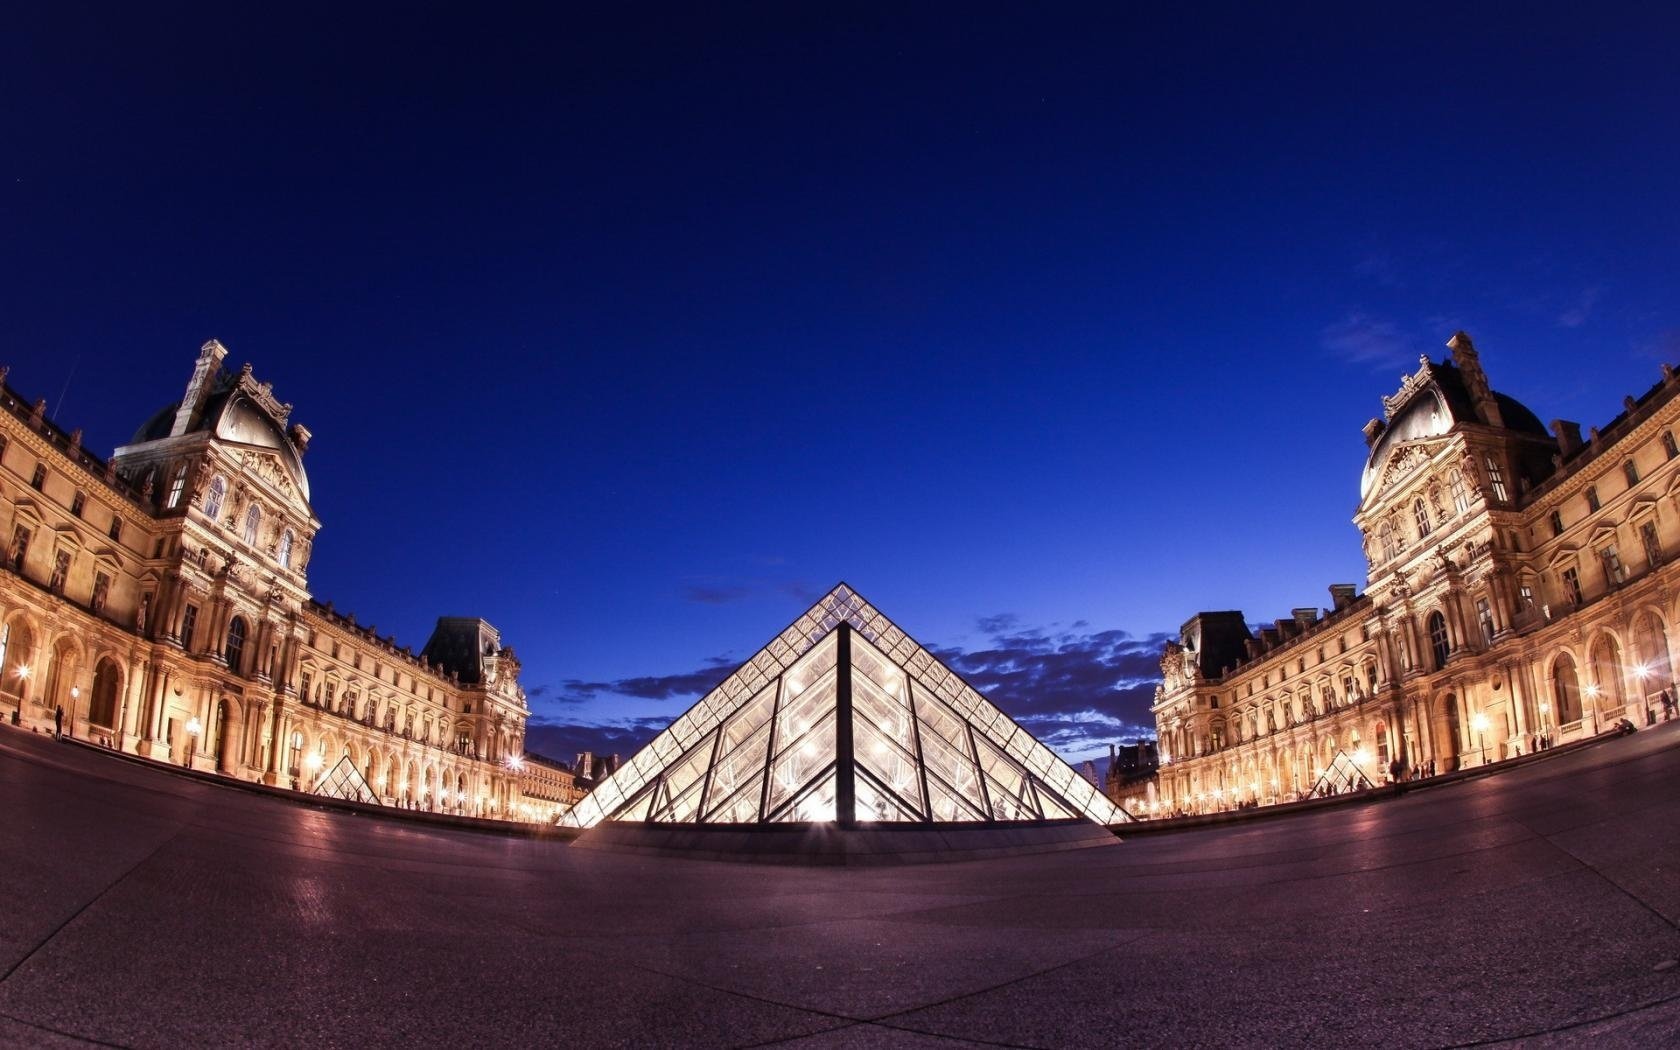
[1521, 590]
[160, 598]
[547, 789]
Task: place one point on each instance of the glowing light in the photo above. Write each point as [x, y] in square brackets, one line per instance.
[1591, 690]
[194, 726]
[313, 761]
[515, 763]
[75, 692]
[1642, 671]
[1362, 756]
[23, 672]
[1479, 722]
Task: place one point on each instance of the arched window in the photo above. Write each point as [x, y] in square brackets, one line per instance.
[102, 706]
[1421, 513]
[177, 485]
[213, 501]
[253, 519]
[1438, 639]
[235, 651]
[1566, 687]
[285, 552]
[1460, 494]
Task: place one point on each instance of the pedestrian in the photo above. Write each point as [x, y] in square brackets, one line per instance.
[58, 722]
[1667, 705]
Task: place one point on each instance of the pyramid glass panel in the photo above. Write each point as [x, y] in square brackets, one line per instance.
[843, 717]
[346, 781]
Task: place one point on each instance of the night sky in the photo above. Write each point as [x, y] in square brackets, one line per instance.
[1042, 328]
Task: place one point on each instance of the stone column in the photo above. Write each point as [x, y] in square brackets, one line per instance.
[231, 739]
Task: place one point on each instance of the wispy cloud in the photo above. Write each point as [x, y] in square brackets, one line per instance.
[1577, 313]
[1361, 339]
[714, 594]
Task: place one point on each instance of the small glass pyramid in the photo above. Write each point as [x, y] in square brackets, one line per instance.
[1341, 776]
[843, 718]
[346, 781]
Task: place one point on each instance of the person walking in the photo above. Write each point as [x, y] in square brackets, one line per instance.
[58, 722]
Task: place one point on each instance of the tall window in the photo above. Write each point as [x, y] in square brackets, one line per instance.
[1496, 479]
[1421, 513]
[303, 687]
[1385, 536]
[1592, 498]
[189, 624]
[38, 480]
[296, 758]
[116, 528]
[285, 552]
[1631, 473]
[177, 485]
[235, 651]
[1484, 616]
[213, 501]
[1438, 643]
[101, 591]
[1670, 449]
[1460, 494]
[1525, 596]
[253, 519]
[78, 502]
[1557, 523]
[1572, 585]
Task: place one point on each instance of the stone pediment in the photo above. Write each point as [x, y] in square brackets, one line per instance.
[267, 467]
[1402, 461]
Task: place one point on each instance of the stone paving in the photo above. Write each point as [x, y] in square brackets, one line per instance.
[142, 908]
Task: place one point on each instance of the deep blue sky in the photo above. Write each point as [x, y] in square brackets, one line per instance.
[1042, 329]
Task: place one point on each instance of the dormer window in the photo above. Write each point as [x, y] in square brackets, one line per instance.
[177, 485]
[253, 520]
[213, 501]
[285, 553]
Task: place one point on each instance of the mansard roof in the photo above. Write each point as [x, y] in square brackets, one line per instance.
[238, 409]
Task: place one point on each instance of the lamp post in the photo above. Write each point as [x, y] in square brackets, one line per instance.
[1545, 709]
[313, 764]
[194, 727]
[1642, 673]
[1591, 692]
[75, 694]
[1480, 723]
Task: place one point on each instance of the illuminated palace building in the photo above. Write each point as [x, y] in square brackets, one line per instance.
[160, 599]
[1520, 593]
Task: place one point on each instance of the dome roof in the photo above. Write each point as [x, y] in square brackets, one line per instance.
[230, 413]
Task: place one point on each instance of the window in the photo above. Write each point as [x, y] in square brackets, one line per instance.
[60, 572]
[157, 549]
[77, 502]
[1653, 546]
[213, 500]
[1631, 473]
[177, 485]
[303, 686]
[1525, 595]
[1460, 494]
[296, 753]
[1496, 479]
[1557, 523]
[1613, 573]
[101, 592]
[1439, 645]
[253, 519]
[1484, 616]
[20, 547]
[116, 528]
[1592, 497]
[235, 651]
[285, 552]
[1572, 585]
[332, 691]
[38, 480]
[1670, 449]
[1421, 513]
[189, 626]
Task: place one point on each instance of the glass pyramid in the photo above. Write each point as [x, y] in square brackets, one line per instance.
[1341, 776]
[346, 781]
[843, 718]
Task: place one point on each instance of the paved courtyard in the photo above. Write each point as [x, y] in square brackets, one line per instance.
[141, 908]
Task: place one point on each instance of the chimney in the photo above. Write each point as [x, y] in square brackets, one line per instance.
[1306, 617]
[1475, 380]
[1341, 595]
[1568, 436]
[209, 362]
[1374, 432]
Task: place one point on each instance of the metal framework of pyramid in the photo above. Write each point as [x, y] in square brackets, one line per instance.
[843, 718]
[1339, 777]
[345, 781]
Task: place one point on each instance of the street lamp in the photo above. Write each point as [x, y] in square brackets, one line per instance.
[1480, 723]
[1643, 672]
[194, 727]
[313, 764]
[1592, 694]
[1545, 709]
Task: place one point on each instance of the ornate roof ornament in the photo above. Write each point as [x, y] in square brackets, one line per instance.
[1409, 386]
[263, 395]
